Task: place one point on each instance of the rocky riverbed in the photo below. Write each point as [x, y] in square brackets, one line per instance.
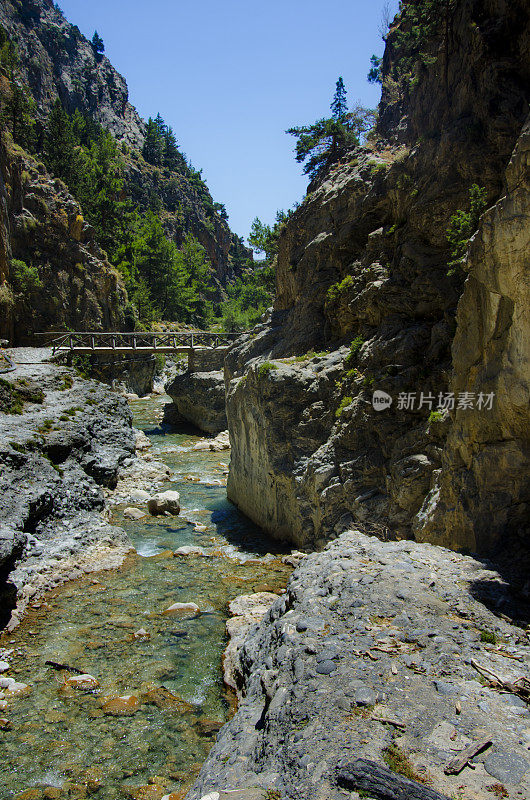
[401, 653]
[377, 650]
[63, 439]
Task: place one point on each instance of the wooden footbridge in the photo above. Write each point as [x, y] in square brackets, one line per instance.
[140, 342]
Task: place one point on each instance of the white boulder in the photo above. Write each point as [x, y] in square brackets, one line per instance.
[164, 503]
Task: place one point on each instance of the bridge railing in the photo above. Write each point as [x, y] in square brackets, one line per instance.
[139, 340]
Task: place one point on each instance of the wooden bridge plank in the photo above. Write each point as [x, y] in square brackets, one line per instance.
[147, 342]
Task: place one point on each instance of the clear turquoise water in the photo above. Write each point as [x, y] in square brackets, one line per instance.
[63, 738]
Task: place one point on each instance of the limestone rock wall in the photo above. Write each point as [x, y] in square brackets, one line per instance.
[58, 61]
[42, 225]
[481, 496]
[198, 393]
[199, 398]
[363, 275]
[54, 458]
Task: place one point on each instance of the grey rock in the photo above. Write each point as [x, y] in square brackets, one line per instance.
[326, 667]
[507, 767]
[365, 696]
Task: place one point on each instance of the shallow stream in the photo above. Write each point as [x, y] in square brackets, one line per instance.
[62, 742]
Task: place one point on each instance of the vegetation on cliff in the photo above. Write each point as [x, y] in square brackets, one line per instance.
[150, 211]
[253, 292]
[325, 141]
[371, 267]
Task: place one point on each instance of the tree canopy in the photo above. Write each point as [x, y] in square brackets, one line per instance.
[325, 141]
[98, 46]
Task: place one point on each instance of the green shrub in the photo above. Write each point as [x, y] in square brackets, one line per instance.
[24, 279]
[354, 349]
[344, 403]
[14, 395]
[335, 291]
[376, 168]
[265, 368]
[488, 637]
[46, 426]
[67, 382]
[398, 762]
[309, 355]
[20, 448]
[353, 374]
[435, 416]
[462, 226]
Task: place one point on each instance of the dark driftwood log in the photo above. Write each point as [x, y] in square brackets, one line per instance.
[66, 667]
[382, 783]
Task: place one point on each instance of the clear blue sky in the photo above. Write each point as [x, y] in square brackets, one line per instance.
[230, 77]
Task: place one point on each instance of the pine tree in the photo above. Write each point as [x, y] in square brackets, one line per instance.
[339, 106]
[173, 159]
[375, 74]
[20, 112]
[59, 143]
[160, 125]
[98, 46]
[153, 149]
[327, 140]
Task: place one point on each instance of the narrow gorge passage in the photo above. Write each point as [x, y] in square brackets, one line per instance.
[62, 738]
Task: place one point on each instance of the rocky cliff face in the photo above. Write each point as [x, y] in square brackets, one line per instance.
[57, 61]
[62, 439]
[198, 394]
[363, 274]
[482, 492]
[41, 223]
[367, 653]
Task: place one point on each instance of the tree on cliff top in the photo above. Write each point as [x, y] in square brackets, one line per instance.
[326, 141]
[98, 46]
[339, 106]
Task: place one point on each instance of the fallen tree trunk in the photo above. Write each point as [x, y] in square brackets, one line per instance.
[66, 667]
[381, 782]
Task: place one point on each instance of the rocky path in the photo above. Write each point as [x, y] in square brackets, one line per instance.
[372, 652]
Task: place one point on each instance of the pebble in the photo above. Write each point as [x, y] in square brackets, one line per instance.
[326, 667]
[139, 494]
[164, 503]
[15, 689]
[123, 705]
[83, 682]
[182, 608]
[134, 513]
[365, 696]
[4, 666]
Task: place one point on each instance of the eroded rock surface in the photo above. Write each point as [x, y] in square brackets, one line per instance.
[482, 493]
[369, 631]
[363, 273]
[199, 398]
[56, 457]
